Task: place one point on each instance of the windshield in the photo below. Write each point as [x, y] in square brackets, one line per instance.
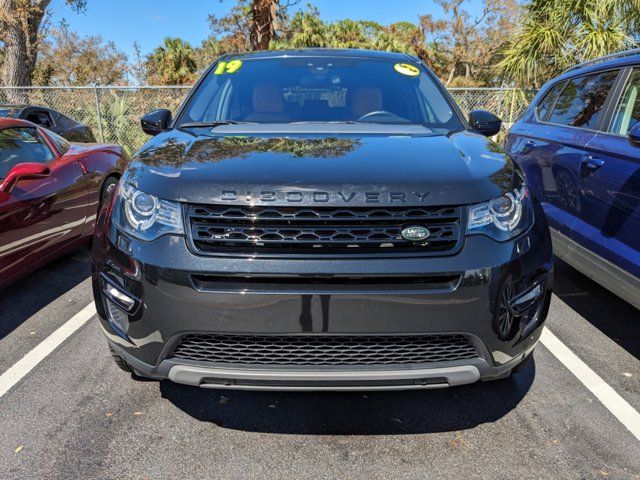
[320, 89]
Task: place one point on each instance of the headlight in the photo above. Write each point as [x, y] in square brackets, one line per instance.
[145, 216]
[502, 218]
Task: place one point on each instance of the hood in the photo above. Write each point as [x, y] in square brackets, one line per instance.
[215, 166]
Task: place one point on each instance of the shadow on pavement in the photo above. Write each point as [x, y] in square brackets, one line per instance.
[29, 295]
[614, 317]
[354, 413]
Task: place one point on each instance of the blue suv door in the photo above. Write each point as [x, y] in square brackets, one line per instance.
[610, 184]
[552, 144]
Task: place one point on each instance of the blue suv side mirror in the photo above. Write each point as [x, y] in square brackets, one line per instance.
[634, 134]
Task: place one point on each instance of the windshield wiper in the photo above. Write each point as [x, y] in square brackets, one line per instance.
[218, 123]
[348, 122]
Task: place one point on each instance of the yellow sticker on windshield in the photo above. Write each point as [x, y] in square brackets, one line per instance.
[407, 69]
[228, 67]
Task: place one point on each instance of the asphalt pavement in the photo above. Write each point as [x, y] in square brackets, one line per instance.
[75, 415]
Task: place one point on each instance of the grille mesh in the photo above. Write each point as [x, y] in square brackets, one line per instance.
[319, 350]
[321, 229]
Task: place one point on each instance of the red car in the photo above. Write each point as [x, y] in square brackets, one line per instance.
[50, 191]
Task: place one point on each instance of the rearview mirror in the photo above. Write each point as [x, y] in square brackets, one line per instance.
[23, 171]
[485, 123]
[634, 134]
[156, 121]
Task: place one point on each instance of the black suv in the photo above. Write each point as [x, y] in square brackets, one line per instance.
[321, 219]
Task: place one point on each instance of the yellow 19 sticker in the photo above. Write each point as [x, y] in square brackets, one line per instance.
[407, 69]
[228, 67]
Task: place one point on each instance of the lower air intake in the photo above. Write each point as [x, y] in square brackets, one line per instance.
[323, 350]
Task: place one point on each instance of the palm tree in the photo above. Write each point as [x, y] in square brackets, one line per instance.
[390, 42]
[348, 34]
[173, 63]
[262, 23]
[306, 29]
[404, 37]
[556, 34]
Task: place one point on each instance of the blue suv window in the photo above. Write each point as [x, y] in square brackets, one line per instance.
[628, 111]
[580, 103]
[545, 105]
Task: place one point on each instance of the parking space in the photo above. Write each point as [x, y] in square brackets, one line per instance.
[75, 415]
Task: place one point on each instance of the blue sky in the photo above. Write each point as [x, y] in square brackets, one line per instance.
[149, 21]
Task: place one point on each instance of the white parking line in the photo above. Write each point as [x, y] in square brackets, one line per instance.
[617, 405]
[27, 363]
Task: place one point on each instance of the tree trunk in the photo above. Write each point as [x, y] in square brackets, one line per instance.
[420, 47]
[452, 74]
[20, 25]
[262, 24]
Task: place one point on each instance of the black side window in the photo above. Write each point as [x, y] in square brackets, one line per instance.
[65, 122]
[40, 117]
[19, 145]
[547, 102]
[580, 103]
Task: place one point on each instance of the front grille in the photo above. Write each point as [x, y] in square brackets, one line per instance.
[321, 230]
[323, 350]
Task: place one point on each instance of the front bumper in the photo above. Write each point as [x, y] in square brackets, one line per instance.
[249, 296]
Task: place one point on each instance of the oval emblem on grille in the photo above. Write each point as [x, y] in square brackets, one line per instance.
[415, 233]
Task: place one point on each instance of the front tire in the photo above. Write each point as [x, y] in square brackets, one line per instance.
[108, 187]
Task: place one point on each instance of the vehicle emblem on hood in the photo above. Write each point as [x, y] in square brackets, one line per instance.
[415, 233]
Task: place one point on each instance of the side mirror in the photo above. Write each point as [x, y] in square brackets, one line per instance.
[23, 171]
[634, 134]
[485, 123]
[156, 121]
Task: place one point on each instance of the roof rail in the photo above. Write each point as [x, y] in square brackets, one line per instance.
[612, 56]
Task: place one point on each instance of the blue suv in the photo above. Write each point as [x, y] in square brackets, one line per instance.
[579, 146]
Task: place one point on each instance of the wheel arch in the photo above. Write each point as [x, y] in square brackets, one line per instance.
[115, 175]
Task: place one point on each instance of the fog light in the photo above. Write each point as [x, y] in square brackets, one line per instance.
[117, 296]
[527, 299]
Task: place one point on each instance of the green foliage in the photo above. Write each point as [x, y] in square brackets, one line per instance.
[460, 48]
[173, 63]
[65, 58]
[555, 35]
[115, 116]
[524, 44]
[352, 34]
[306, 29]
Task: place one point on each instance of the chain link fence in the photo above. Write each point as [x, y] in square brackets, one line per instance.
[113, 113]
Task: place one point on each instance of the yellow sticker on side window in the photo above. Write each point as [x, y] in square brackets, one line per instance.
[228, 67]
[407, 69]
